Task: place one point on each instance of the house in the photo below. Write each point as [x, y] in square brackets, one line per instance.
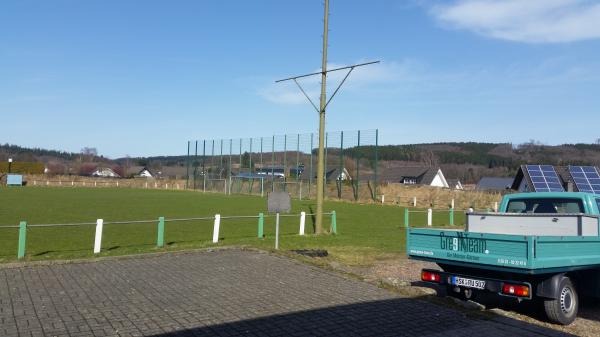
[543, 178]
[414, 175]
[455, 184]
[494, 184]
[105, 172]
[275, 171]
[144, 173]
[337, 175]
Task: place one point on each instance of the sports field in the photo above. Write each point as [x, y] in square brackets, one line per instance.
[363, 230]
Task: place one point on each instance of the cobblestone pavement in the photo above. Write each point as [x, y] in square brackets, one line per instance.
[223, 293]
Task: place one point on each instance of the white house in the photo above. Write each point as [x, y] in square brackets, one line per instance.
[144, 173]
[455, 184]
[105, 172]
[415, 175]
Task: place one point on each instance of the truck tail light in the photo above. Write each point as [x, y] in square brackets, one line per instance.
[429, 276]
[515, 290]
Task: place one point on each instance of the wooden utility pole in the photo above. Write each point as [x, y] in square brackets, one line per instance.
[323, 104]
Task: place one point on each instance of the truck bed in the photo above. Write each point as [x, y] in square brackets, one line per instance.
[533, 224]
[512, 253]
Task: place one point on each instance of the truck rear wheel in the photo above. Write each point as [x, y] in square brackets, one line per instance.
[563, 310]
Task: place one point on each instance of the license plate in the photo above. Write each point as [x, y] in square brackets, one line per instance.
[468, 283]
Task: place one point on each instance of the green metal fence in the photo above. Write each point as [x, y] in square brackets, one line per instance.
[286, 163]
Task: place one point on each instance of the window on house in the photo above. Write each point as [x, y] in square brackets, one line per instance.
[409, 181]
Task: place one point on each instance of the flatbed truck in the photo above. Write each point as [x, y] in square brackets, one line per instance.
[539, 246]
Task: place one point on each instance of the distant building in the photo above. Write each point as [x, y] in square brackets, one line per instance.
[414, 175]
[494, 184]
[537, 178]
[337, 175]
[455, 184]
[144, 173]
[275, 171]
[105, 172]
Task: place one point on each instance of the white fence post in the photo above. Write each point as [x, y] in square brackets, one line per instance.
[452, 204]
[302, 222]
[98, 239]
[383, 198]
[216, 228]
[429, 217]
[496, 207]
[414, 201]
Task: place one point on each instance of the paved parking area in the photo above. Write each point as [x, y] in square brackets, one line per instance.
[219, 293]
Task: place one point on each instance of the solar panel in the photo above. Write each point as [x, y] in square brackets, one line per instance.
[586, 178]
[544, 178]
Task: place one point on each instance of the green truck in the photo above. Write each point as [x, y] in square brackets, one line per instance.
[540, 246]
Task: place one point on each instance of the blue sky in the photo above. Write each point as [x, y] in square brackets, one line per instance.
[143, 77]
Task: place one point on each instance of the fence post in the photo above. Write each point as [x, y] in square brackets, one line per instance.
[261, 224]
[302, 222]
[496, 207]
[277, 230]
[22, 239]
[429, 217]
[216, 228]
[333, 222]
[451, 216]
[160, 240]
[98, 239]
[414, 201]
[383, 198]
[452, 203]
[406, 216]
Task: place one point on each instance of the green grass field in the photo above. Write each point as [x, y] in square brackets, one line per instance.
[364, 231]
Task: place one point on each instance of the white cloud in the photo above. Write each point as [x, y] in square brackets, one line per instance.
[368, 77]
[533, 21]
[418, 83]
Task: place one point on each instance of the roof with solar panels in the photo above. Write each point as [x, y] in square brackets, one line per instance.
[549, 178]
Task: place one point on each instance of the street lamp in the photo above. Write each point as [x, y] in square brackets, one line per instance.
[9, 164]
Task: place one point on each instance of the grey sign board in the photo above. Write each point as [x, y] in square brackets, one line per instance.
[279, 202]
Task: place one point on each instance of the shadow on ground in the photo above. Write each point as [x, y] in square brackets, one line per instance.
[395, 317]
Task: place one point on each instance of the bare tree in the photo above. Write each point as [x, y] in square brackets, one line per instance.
[429, 158]
[88, 154]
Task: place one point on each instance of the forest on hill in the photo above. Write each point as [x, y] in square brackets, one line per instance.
[467, 161]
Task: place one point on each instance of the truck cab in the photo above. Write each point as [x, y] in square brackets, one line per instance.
[543, 246]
